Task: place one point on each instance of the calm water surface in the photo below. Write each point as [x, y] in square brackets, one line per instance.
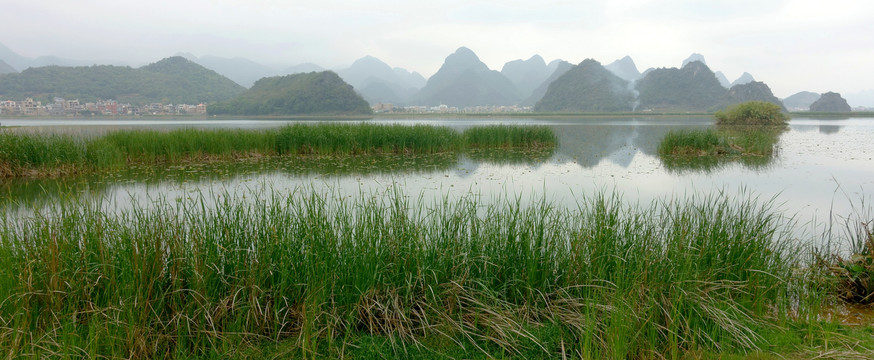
[823, 168]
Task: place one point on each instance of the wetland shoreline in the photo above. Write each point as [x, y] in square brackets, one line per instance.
[318, 274]
[46, 155]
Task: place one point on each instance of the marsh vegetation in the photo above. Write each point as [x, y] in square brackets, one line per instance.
[40, 155]
[370, 243]
[746, 132]
[218, 274]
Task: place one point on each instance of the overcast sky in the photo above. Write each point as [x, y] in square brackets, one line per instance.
[800, 45]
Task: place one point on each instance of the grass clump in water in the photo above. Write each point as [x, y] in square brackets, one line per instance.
[726, 141]
[753, 146]
[336, 139]
[219, 274]
[757, 113]
[691, 142]
[506, 136]
[750, 129]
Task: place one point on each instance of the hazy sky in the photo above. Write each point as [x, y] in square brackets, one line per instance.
[791, 45]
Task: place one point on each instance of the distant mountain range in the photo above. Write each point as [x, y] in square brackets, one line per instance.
[242, 71]
[557, 68]
[800, 101]
[378, 82]
[21, 63]
[590, 87]
[463, 80]
[527, 75]
[171, 80]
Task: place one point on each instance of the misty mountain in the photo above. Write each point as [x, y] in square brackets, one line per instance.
[558, 68]
[12, 59]
[241, 70]
[743, 79]
[369, 67]
[20, 62]
[302, 68]
[801, 101]
[587, 87]
[414, 79]
[751, 91]
[378, 91]
[692, 58]
[625, 69]
[722, 79]
[171, 80]
[298, 94]
[377, 82]
[464, 80]
[645, 73]
[527, 75]
[692, 88]
[830, 102]
[6, 68]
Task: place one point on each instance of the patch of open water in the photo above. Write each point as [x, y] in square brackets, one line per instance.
[823, 168]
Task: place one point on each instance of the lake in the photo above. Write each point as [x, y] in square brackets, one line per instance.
[822, 168]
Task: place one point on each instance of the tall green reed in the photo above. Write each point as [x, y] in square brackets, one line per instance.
[220, 272]
[41, 154]
[509, 136]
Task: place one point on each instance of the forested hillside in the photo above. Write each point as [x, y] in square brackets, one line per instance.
[299, 94]
[171, 80]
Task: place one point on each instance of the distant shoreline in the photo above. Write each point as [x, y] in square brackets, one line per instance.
[836, 116]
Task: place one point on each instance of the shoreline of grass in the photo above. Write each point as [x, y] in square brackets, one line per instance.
[318, 275]
[218, 271]
[41, 155]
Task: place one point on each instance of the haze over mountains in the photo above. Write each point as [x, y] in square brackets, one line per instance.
[801, 100]
[625, 69]
[175, 80]
[19, 63]
[6, 68]
[465, 81]
[378, 82]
